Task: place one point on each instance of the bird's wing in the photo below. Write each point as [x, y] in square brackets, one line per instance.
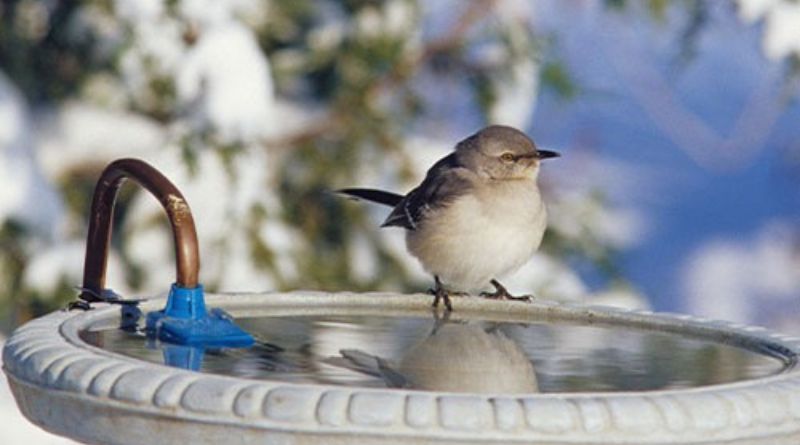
[445, 182]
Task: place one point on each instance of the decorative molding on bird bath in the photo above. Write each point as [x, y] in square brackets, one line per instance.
[82, 389]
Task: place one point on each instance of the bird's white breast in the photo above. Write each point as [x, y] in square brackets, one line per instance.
[482, 235]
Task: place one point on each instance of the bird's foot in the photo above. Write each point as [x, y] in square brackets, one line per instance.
[443, 295]
[501, 293]
[440, 293]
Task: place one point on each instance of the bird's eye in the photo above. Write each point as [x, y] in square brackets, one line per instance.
[507, 157]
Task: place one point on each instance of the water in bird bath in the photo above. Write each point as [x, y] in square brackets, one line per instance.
[461, 354]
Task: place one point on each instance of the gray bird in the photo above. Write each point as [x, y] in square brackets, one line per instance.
[477, 215]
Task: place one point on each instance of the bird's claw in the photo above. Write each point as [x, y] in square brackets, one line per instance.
[506, 296]
[501, 293]
[440, 293]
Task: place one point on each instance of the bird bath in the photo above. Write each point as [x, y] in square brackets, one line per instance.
[346, 368]
[76, 374]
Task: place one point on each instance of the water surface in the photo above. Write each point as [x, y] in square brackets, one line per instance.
[462, 355]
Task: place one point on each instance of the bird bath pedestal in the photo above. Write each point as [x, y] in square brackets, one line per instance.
[84, 390]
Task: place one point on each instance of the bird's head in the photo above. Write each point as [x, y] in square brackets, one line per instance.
[502, 153]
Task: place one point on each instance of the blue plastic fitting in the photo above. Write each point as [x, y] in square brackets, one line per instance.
[185, 321]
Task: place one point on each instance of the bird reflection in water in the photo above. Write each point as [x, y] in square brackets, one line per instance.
[472, 356]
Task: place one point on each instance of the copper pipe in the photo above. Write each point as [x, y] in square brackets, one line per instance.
[187, 258]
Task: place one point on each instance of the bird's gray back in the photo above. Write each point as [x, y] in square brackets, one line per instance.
[443, 184]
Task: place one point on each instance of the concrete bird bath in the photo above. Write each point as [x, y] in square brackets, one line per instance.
[95, 377]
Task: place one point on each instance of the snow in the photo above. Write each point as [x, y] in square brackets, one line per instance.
[151, 247]
[369, 23]
[394, 18]
[547, 278]
[284, 241]
[224, 83]
[26, 195]
[753, 10]
[222, 78]
[399, 17]
[11, 113]
[578, 215]
[156, 55]
[425, 149]
[362, 258]
[138, 11]
[61, 263]
[519, 11]
[326, 36]
[518, 85]
[208, 13]
[575, 213]
[782, 35]
[78, 133]
[782, 25]
[236, 269]
[516, 95]
[293, 117]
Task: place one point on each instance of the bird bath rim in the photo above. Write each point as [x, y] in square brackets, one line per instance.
[73, 388]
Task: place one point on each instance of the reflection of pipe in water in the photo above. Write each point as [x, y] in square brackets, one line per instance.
[454, 358]
[186, 357]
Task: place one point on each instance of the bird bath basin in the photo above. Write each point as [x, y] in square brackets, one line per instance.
[345, 368]
[601, 375]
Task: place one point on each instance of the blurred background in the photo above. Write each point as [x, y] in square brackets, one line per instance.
[678, 121]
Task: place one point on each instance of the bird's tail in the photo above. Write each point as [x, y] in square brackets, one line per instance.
[381, 197]
[371, 365]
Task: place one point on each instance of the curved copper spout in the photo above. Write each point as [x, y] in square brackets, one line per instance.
[187, 258]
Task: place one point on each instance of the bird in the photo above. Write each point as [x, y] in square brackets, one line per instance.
[478, 214]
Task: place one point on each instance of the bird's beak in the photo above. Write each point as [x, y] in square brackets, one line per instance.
[546, 154]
